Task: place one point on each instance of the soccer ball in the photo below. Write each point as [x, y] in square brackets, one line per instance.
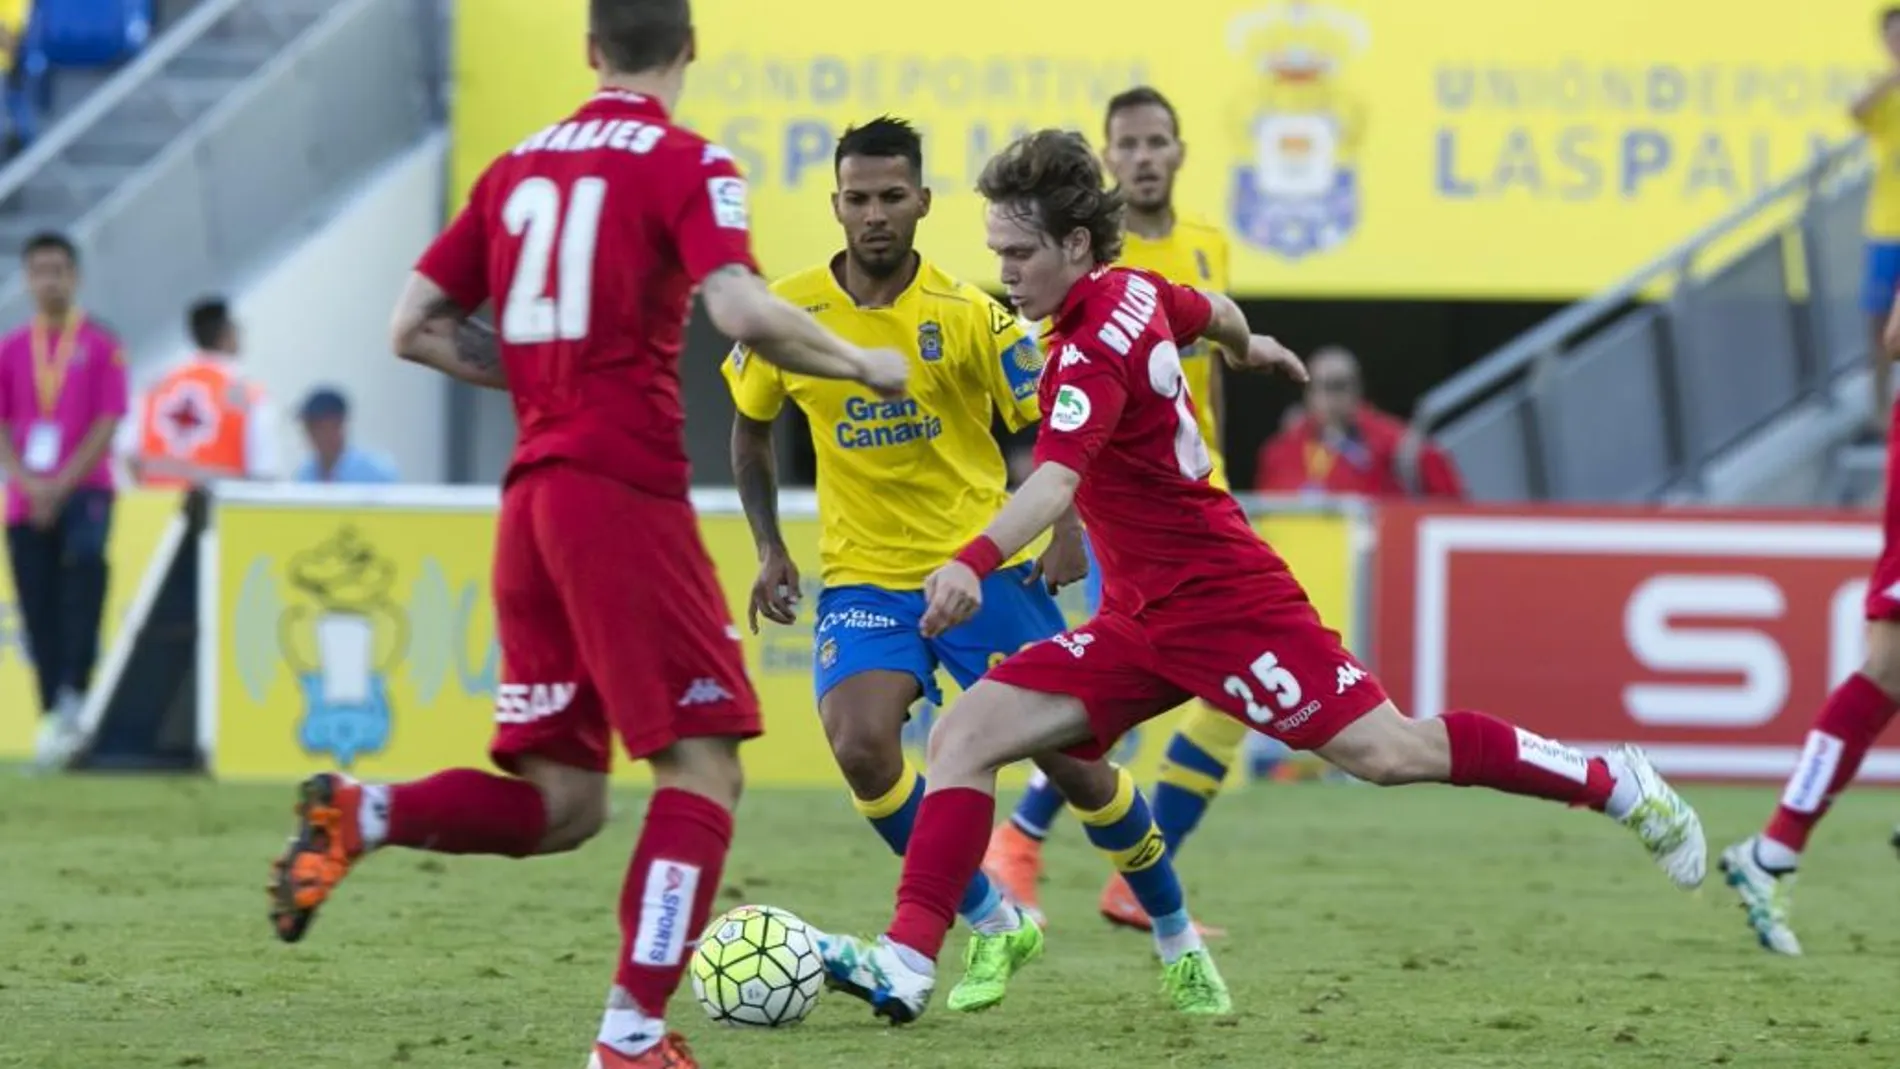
[757, 966]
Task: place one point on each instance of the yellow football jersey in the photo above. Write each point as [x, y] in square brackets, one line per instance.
[1195, 254]
[903, 485]
[1883, 198]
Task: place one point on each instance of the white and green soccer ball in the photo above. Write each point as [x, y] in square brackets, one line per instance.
[758, 967]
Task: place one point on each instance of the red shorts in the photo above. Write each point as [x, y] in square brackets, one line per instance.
[1883, 591]
[611, 622]
[1256, 651]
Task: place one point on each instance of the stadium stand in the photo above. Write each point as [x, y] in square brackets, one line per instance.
[1743, 383]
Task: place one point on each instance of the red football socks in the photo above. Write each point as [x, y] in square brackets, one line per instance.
[946, 849]
[668, 896]
[1849, 723]
[1488, 752]
[463, 811]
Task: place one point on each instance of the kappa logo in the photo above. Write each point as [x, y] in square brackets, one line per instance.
[705, 691]
[1069, 357]
[1077, 644]
[1348, 676]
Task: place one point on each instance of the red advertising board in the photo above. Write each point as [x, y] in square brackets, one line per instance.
[1710, 638]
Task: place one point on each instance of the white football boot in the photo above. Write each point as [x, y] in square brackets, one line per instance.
[1667, 824]
[1765, 896]
[874, 972]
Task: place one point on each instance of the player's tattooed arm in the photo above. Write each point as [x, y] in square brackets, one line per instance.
[430, 329]
[775, 591]
[754, 469]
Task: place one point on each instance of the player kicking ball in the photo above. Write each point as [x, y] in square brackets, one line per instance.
[1144, 153]
[1761, 868]
[900, 488]
[1196, 605]
[591, 236]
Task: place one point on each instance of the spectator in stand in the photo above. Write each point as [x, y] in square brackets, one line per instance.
[62, 395]
[332, 458]
[1342, 445]
[203, 420]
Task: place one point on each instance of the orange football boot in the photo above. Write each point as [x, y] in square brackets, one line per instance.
[671, 1053]
[327, 842]
[1014, 864]
[1121, 907]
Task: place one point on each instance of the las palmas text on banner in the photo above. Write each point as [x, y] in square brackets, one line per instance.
[1487, 148]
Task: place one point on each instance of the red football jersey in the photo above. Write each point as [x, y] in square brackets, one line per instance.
[1116, 410]
[591, 236]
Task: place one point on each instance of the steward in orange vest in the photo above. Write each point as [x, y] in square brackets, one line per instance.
[202, 420]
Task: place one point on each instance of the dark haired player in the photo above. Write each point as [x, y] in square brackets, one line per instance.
[1195, 605]
[590, 236]
[900, 488]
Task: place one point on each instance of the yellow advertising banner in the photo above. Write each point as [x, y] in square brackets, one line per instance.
[364, 638]
[138, 522]
[1488, 148]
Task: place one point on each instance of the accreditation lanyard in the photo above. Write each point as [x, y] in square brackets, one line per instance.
[50, 367]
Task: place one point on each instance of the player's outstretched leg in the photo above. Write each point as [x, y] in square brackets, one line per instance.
[459, 811]
[1761, 868]
[667, 898]
[1469, 749]
[1119, 823]
[863, 717]
[993, 725]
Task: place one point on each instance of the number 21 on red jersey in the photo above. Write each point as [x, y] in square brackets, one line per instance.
[559, 233]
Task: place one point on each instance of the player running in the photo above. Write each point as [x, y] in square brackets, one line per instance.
[901, 485]
[1196, 604]
[591, 236]
[1761, 868]
[1144, 153]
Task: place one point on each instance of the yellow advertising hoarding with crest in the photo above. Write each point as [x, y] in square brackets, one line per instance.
[357, 631]
[1349, 148]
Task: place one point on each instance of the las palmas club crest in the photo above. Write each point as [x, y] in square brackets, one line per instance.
[344, 615]
[1295, 188]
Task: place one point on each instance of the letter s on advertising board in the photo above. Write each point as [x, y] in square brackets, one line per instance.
[1709, 638]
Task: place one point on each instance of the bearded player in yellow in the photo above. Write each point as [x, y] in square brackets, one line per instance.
[902, 485]
[1144, 152]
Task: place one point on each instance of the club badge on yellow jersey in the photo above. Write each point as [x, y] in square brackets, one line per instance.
[902, 485]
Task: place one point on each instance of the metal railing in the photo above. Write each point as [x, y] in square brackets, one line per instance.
[123, 86]
[343, 97]
[1623, 398]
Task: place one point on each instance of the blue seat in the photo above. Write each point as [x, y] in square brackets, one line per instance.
[88, 33]
[71, 34]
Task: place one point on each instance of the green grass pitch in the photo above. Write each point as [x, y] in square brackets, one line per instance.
[1426, 927]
